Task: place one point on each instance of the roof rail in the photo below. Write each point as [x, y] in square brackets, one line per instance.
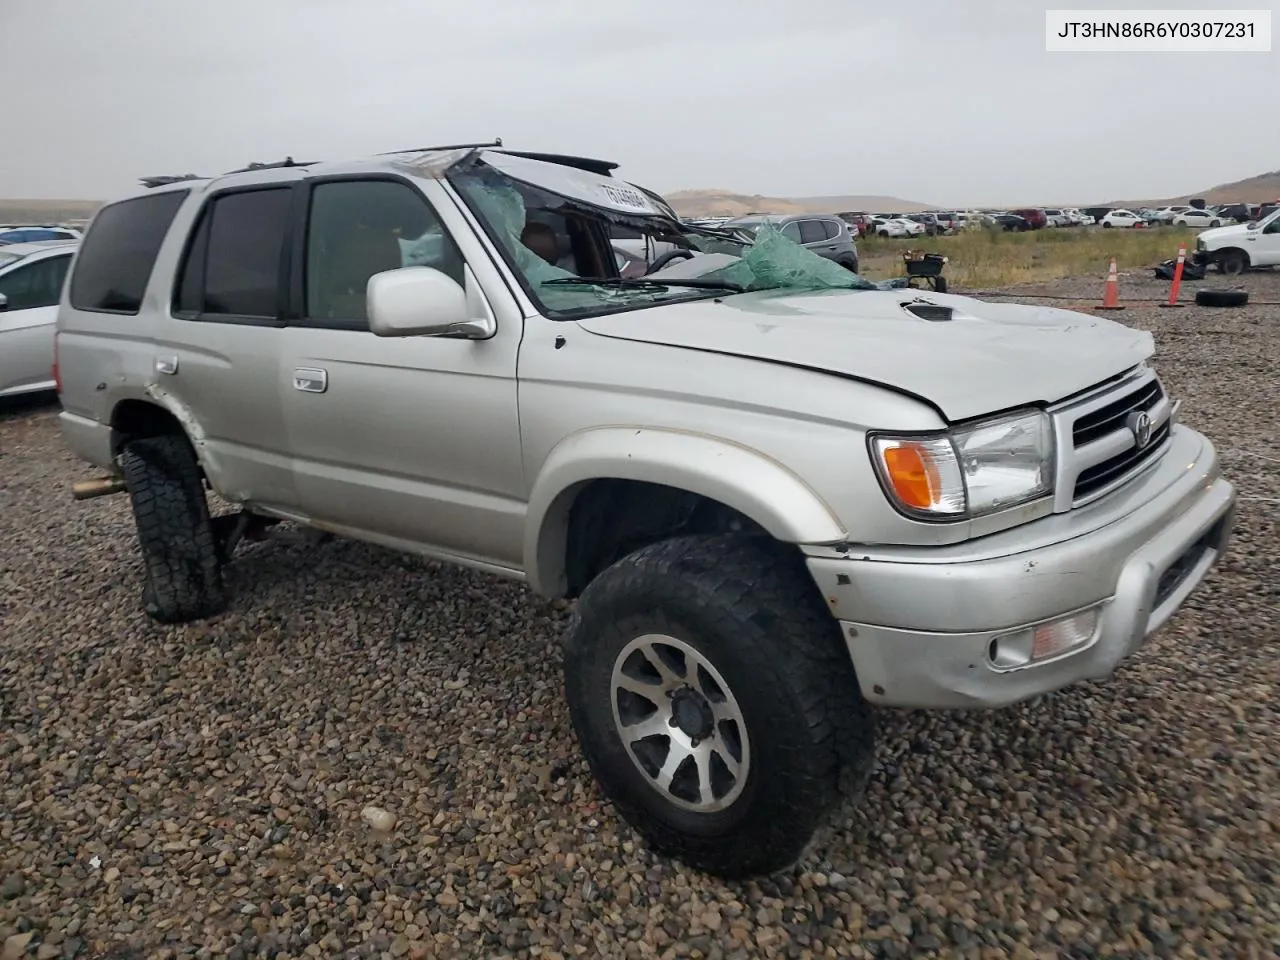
[151, 182]
[495, 142]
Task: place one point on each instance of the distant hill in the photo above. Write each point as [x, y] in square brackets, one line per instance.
[725, 203]
[1264, 188]
[46, 211]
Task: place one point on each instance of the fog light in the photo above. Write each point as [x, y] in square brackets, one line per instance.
[1044, 641]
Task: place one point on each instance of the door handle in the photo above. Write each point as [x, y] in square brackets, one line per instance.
[310, 379]
[167, 364]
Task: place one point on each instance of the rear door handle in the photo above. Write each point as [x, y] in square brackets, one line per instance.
[310, 379]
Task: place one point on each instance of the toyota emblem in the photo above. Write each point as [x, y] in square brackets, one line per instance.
[1139, 424]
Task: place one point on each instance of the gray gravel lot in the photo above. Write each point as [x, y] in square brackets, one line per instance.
[198, 791]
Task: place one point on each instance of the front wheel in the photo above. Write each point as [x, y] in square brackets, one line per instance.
[715, 701]
[1232, 263]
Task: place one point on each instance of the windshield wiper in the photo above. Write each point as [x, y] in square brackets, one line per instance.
[644, 283]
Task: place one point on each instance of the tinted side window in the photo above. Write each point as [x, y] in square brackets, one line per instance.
[791, 231]
[832, 228]
[36, 284]
[361, 227]
[233, 266]
[811, 231]
[118, 253]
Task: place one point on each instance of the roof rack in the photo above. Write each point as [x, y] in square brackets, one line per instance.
[286, 162]
[495, 142]
[151, 182]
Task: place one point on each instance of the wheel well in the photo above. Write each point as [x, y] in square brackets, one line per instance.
[610, 518]
[1224, 251]
[135, 419]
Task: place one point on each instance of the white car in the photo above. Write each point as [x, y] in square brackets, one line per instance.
[1166, 214]
[31, 278]
[1197, 218]
[1123, 218]
[896, 227]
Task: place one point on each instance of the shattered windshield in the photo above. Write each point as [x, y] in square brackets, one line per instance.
[578, 258]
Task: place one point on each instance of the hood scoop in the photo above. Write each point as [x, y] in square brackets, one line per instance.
[933, 312]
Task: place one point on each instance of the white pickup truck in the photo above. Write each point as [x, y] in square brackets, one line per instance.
[1237, 248]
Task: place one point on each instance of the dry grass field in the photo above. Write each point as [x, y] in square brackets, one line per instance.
[993, 258]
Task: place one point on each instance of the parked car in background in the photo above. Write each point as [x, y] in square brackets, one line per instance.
[1096, 212]
[1233, 212]
[827, 236]
[1166, 214]
[896, 227]
[948, 222]
[926, 220]
[1191, 217]
[31, 277]
[36, 234]
[1236, 248]
[858, 221]
[1034, 216]
[1057, 218]
[1123, 218]
[1010, 222]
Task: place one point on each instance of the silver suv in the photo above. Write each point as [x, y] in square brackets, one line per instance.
[779, 493]
[826, 236]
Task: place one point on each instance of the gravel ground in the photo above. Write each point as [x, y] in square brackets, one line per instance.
[198, 791]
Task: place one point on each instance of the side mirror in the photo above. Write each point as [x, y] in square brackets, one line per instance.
[4, 303]
[1251, 225]
[424, 302]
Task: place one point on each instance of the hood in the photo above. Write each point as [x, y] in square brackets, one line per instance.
[1216, 234]
[989, 357]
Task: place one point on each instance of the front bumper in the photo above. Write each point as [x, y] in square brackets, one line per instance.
[919, 623]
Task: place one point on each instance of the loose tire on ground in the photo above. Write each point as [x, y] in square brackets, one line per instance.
[750, 615]
[1222, 298]
[183, 579]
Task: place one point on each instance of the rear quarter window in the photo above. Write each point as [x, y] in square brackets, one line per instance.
[119, 252]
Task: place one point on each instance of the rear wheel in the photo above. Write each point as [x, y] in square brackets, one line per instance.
[183, 578]
[715, 701]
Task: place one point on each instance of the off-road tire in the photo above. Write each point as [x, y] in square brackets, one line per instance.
[1222, 298]
[751, 609]
[1233, 263]
[183, 578]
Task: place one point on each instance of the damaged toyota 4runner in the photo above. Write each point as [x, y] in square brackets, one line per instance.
[780, 494]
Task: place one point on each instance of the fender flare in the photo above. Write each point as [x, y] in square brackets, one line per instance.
[744, 479]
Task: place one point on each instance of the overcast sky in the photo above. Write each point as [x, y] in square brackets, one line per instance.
[942, 101]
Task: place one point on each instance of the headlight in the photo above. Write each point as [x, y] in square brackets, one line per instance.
[968, 471]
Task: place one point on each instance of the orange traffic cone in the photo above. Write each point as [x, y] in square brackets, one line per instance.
[1111, 295]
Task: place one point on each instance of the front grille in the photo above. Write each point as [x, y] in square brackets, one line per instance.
[1107, 426]
[1098, 423]
[1099, 475]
